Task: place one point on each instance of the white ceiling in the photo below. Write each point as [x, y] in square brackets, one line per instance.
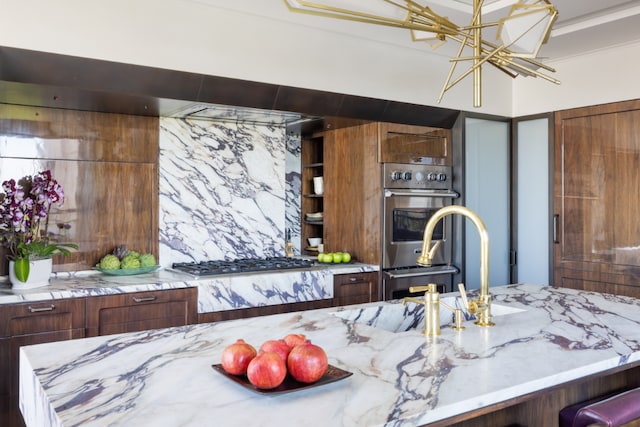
[588, 25]
[582, 25]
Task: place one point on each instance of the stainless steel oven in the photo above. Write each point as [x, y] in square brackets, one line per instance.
[412, 194]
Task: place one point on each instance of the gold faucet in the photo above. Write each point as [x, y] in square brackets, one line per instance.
[432, 304]
[482, 306]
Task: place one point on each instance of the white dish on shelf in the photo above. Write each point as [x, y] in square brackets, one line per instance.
[314, 241]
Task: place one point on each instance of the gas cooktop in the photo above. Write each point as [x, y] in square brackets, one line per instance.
[211, 268]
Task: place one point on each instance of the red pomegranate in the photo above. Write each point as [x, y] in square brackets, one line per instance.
[267, 370]
[293, 340]
[236, 357]
[307, 363]
[276, 346]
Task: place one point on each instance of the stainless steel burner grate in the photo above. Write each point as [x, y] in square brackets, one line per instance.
[211, 268]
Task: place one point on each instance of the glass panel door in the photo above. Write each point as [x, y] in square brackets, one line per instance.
[532, 165]
[486, 159]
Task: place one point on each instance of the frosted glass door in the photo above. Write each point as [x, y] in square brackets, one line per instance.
[487, 194]
[533, 201]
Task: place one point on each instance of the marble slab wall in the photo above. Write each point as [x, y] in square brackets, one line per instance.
[228, 190]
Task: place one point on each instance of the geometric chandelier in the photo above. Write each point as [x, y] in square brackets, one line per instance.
[520, 34]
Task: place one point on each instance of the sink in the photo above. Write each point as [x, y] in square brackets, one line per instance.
[395, 317]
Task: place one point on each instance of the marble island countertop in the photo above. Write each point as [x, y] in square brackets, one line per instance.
[215, 293]
[543, 337]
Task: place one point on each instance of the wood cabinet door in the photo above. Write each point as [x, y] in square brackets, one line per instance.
[353, 193]
[355, 288]
[132, 312]
[596, 198]
[414, 144]
[34, 323]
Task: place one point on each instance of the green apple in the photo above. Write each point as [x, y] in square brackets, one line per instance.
[320, 257]
[326, 257]
[337, 257]
[346, 257]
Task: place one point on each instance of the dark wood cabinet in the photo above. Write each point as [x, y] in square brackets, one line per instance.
[414, 144]
[26, 324]
[132, 312]
[107, 162]
[353, 193]
[355, 288]
[596, 187]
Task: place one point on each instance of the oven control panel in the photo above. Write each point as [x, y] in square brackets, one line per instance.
[410, 176]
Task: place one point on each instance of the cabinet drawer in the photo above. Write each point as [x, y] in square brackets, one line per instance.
[41, 317]
[355, 285]
[355, 288]
[139, 311]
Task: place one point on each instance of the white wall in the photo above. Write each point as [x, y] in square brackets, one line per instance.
[597, 78]
[266, 43]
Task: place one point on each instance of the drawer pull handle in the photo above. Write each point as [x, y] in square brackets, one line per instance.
[356, 279]
[147, 299]
[39, 309]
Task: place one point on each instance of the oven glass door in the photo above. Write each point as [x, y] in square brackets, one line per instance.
[405, 216]
[408, 224]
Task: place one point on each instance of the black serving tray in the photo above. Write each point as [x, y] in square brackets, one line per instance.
[289, 385]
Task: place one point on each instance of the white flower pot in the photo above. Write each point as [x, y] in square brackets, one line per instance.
[39, 273]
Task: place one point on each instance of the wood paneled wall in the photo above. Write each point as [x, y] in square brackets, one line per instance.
[108, 167]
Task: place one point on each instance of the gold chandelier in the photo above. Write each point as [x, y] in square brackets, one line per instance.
[520, 34]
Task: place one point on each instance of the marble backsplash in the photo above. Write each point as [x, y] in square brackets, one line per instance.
[228, 190]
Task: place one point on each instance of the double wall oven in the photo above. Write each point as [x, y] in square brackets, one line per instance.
[412, 194]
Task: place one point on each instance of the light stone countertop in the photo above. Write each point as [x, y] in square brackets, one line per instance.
[215, 293]
[543, 337]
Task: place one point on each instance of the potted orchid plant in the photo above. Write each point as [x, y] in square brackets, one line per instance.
[24, 220]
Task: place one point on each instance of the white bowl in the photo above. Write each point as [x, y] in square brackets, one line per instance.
[314, 241]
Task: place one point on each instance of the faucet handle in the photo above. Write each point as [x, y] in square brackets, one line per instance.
[463, 295]
[431, 287]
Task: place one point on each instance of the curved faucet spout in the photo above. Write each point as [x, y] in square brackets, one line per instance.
[427, 254]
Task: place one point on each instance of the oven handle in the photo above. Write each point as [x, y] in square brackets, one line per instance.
[450, 270]
[423, 193]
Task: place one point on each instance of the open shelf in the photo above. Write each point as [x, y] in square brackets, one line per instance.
[312, 166]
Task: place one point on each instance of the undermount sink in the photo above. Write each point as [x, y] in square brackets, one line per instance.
[396, 317]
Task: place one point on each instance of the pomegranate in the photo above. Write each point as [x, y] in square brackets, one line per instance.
[307, 362]
[276, 346]
[293, 340]
[267, 370]
[236, 357]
